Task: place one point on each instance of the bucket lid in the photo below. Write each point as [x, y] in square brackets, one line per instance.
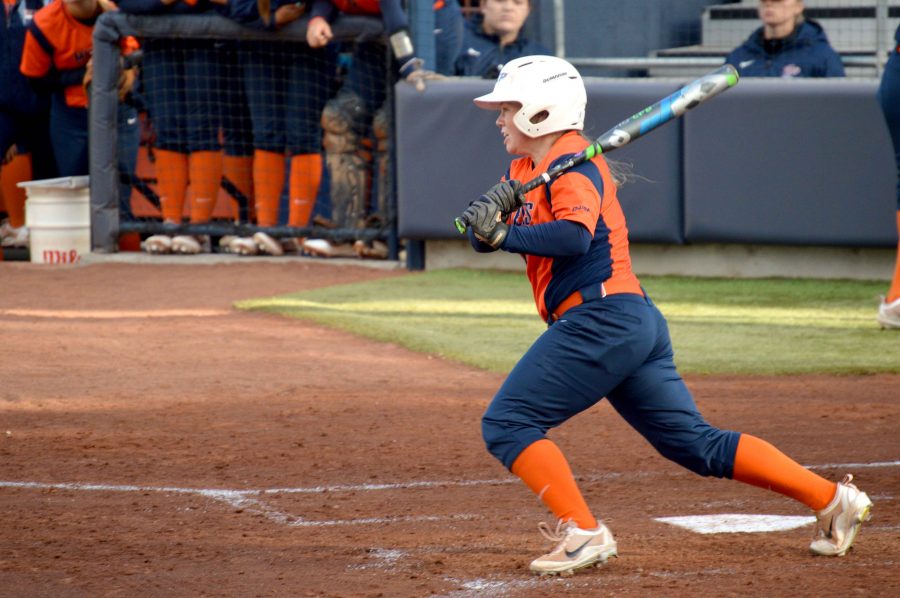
[66, 182]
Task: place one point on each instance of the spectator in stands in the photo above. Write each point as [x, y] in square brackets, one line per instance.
[889, 98]
[24, 124]
[287, 85]
[56, 57]
[193, 90]
[787, 45]
[357, 113]
[493, 38]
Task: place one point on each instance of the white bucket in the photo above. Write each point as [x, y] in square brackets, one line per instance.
[58, 217]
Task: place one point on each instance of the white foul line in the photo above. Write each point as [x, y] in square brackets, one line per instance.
[243, 499]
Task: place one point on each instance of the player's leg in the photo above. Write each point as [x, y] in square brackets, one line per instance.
[202, 82]
[163, 78]
[889, 98]
[69, 136]
[13, 232]
[308, 90]
[265, 74]
[237, 129]
[655, 401]
[568, 369]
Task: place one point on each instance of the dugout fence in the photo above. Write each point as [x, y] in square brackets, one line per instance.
[111, 217]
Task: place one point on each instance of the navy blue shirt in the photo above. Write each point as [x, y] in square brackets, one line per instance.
[482, 55]
[804, 53]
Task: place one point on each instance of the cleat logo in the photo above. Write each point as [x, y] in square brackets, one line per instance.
[574, 553]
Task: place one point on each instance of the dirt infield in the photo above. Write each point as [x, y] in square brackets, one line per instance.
[156, 442]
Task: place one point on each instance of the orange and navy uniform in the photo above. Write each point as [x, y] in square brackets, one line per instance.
[57, 42]
[585, 195]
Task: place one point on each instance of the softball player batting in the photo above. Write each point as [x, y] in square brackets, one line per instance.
[605, 337]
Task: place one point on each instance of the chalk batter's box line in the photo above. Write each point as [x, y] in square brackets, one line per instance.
[248, 501]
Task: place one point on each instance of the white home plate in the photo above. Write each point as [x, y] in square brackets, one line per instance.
[729, 524]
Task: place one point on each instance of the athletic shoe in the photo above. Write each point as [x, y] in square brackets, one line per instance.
[243, 246]
[190, 245]
[889, 314]
[157, 244]
[15, 237]
[225, 243]
[577, 548]
[839, 522]
[267, 244]
[290, 245]
[374, 250]
[324, 248]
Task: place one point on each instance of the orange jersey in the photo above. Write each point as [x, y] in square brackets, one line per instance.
[586, 195]
[58, 41]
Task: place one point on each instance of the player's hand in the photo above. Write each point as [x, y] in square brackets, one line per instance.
[88, 77]
[413, 73]
[507, 195]
[484, 218]
[318, 33]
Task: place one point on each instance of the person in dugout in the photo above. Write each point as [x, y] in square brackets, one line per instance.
[24, 124]
[358, 112]
[287, 85]
[56, 58]
[191, 93]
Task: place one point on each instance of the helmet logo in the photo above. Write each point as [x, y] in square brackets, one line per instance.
[557, 76]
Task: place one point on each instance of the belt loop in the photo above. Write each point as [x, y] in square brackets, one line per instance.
[594, 291]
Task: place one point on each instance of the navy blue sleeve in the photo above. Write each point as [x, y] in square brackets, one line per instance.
[559, 238]
[393, 15]
[834, 66]
[143, 7]
[324, 9]
[243, 11]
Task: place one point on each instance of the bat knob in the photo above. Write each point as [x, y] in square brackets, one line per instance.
[460, 225]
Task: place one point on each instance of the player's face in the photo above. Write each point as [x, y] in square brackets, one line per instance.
[779, 13]
[503, 17]
[516, 142]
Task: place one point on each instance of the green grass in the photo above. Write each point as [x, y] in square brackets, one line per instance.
[487, 319]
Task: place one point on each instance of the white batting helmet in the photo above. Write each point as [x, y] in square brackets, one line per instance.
[541, 84]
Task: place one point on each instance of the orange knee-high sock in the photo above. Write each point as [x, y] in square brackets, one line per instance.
[268, 181]
[206, 177]
[17, 171]
[172, 180]
[758, 463]
[239, 170]
[306, 170]
[894, 291]
[544, 469]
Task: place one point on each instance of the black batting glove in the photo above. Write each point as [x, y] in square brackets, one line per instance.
[485, 219]
[507, 196]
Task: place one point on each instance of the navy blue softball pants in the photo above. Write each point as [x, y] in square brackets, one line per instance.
[616, 347]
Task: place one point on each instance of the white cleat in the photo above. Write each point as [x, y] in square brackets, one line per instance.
[13, 237]
[190, 245]
[839, 522]
[577, 549]
[267, 244]
[157, 244]
[889, 314]
[243, 246]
